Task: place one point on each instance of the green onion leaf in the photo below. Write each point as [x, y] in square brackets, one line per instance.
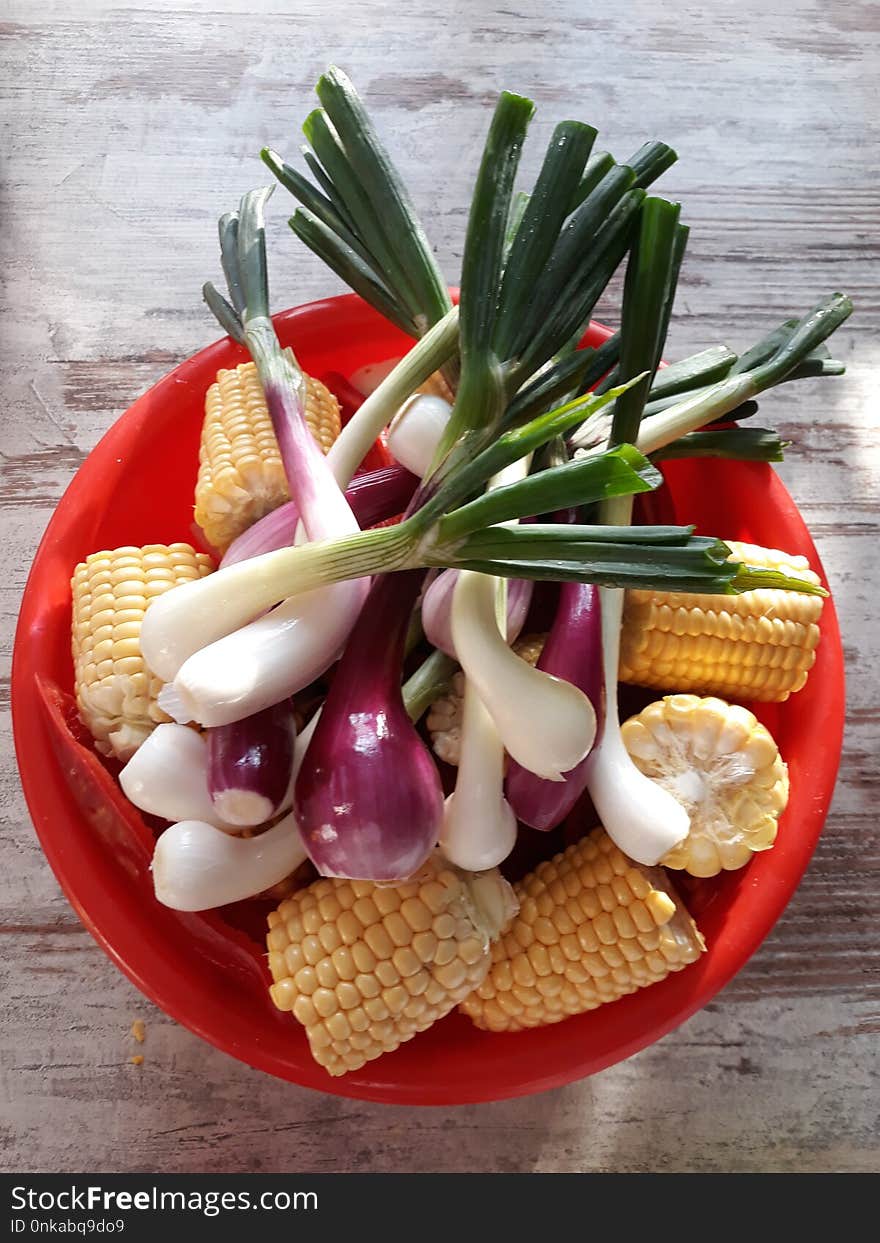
[706, 367]
[487, 225]
[330, 151]
[544, 215]
[565, 268]
[738, 444]
[571, 306]
[810, 332]
[252, 273]
[598, 167]
[648, 292]
[619, 472]
[650, 162]
[228, 230]
[351, 268]
[229, 320]
[387, 193]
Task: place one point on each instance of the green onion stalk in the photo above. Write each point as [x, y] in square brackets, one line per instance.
[793, 351]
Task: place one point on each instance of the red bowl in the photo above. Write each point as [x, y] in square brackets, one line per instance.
[208, 971]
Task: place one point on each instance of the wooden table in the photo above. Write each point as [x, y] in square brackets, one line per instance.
[130, 129]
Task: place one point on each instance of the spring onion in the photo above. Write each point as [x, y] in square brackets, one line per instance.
[368, 797]
[193, 870]
[323, 507]
[415, 431]
[250, 764]
[200, 613]
[479, 827]
[197, 867]
[437, 609]
[783, 355]
[642, 818]
[168, 777]
[573, 652]
[557, 730]
[373, 496]
[359, 218]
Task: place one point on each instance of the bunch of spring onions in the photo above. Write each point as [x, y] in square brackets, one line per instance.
[526, 437]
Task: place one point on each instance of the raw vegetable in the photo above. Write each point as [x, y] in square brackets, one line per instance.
[197, 867]
[241, 475]
[558, 728]
[368, 797]
[723, 766]
[250, 765]
[592, 927]
[479, 828]
[195, 870]
[373, 496]
[361, 221]
[572, 652]
[447, 699]
[168, 776]
[793, 351]
[388, 961]
[759, 646]
[365, 963]
[415, 431]
[572, 264]
[640, 817]
[116, 693]
[437, 609]
[221, 687]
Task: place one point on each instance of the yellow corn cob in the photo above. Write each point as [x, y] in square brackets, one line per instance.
[365, 967]
[759, 646]
[723, 766]
[115, 691]
[241, 476]
[592, 927]
[437, 386]
[445, 715]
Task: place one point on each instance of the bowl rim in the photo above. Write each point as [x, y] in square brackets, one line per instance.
[382, 1090]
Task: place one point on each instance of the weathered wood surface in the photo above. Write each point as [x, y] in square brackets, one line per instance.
[127, 130]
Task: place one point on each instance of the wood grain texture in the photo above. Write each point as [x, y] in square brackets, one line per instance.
[128, 130]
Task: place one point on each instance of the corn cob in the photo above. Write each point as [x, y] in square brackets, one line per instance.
[115, 691]
[241, 476]
[436, 385]
[723, 766]
[592, 927]
[758, 646]
[365, 967]
[445, 716]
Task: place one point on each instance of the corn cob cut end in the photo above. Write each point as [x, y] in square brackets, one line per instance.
[592, 927]
[365, 967]
[115, 691]
[757, 646]
[723, 766]
[241, 476]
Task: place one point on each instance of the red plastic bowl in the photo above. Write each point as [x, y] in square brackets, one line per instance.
[208, 971]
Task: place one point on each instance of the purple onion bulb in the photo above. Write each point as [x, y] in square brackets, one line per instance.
[573, 651]
[368, 798]
[250, 764]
